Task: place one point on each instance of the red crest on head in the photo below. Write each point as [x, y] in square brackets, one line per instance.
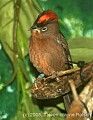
[46, 16]
[49, 14]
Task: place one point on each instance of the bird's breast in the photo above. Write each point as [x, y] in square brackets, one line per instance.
[47, 56]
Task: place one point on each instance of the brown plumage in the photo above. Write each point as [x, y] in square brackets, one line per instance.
[48, 47]
[49, 51]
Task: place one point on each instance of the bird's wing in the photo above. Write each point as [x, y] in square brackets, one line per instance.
[64, 44]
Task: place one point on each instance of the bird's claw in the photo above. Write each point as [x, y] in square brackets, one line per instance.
[41, 76]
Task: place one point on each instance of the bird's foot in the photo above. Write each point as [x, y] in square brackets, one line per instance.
[52, 73]
[41, 76]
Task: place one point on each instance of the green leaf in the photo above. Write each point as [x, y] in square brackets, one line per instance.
[27, 15]
[6, 25]
[81, 48]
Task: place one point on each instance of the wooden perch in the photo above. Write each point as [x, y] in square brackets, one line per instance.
[57, 84]
[82, 105]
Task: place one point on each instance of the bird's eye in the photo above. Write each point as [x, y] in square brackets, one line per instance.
[44, 28]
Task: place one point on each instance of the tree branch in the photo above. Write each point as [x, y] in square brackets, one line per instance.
[82, 105]
[57, 84]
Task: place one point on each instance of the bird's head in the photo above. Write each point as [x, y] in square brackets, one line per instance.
[46, 23]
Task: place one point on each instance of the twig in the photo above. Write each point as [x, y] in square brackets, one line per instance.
[11, 80]
[15, 29]
[73, 89]
[61, 73]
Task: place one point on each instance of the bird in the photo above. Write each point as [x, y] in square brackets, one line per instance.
[48, 49]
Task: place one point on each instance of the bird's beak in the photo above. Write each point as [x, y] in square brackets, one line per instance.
[35, 29]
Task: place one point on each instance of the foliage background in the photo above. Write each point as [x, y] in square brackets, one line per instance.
[76, 23]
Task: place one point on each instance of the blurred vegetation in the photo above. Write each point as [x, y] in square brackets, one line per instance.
[16, 71]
